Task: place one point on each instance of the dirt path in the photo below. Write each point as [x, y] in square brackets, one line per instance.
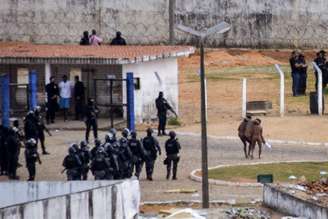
[220, 152]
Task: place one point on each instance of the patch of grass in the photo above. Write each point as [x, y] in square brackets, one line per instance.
[174, 121]
[280, 172]
[238, 72]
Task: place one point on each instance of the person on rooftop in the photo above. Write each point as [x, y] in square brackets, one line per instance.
[94, 39]
[118, 40]
[85, 41]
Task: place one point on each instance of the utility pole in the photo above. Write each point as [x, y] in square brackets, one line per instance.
[222, 27]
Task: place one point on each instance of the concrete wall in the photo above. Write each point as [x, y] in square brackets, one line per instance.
[89, 199]
[288, 204]
[255, 23]
[167, 70]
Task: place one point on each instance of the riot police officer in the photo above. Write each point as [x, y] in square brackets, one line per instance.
[137, 153]
[172, 148]
[91, 115]
[31, 157]
[125, 156]
[40, 129]
[151, 147]
[12, 148]
[100, 166]
[162, 107]
[3, 151]
[110, 137]
[113, 152]
[95, 148]
[30, 126]
[72, 163]
[85, 157]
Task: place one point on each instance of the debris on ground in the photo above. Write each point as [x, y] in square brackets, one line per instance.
[247, 213]
[320, 186]
[181, 191]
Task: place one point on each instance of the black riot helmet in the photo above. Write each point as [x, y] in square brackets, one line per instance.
[97, 143]
[172, 134]
[134, 134]
[83, 144]
[125, 132]
[31, 143]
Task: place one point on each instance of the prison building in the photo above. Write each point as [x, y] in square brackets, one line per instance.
[103, 70]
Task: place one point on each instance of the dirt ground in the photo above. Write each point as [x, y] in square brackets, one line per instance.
[225, 69]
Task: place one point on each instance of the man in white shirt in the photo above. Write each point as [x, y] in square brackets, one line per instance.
[65, 88]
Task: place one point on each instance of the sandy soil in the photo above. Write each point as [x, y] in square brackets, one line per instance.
[225, 69]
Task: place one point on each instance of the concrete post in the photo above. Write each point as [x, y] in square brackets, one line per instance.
[282, 90]
[319, 88]
[130, 101]
[244, 98]
[33, 101]
[5, 92]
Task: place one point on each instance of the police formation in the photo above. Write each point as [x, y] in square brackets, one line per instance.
[12, 139]
[121, 158]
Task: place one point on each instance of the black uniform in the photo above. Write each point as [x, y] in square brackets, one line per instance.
[79, 98]
[151, 147]
[125, 158]
[31, 127]
[52, 104]
[91, 114]
[100, 166]
[12, 147]
[301, 75]
[85, 158]
[31, 157]
[172, 148]
[113, 152]
[73, 165]
[137, 155]
[162, 108]
[40, 129]
[292, 62]
[3, 151]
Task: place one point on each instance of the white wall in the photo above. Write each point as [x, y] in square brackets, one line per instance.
[167, 70]
[113, 199]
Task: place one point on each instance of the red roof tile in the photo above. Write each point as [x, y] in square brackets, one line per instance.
[113, 54]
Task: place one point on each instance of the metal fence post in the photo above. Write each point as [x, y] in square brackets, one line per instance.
[319, 88]
[33, 89]
[282, 90]
[244, 98]
[5, 91]
[130, 101]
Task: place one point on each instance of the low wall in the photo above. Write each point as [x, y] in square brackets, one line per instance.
[89, 199]
[286, 203]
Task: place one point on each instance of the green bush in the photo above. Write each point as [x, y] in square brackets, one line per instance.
[174, 122]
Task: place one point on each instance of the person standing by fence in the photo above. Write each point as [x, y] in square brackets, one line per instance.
[292, 62]
[301, 69]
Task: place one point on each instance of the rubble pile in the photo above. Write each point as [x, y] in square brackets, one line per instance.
[317, 186]
[247, 213]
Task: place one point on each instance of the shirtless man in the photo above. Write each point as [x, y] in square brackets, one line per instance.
[241, 132]
[257, 137]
